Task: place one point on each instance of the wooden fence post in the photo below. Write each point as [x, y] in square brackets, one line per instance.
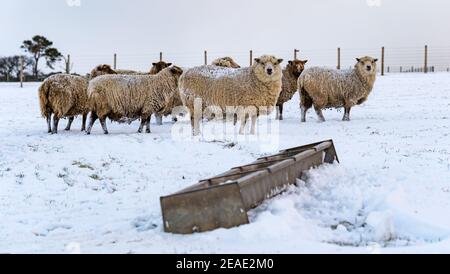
[251, 57]
[426, 60]
[382, 61]
[160, 56]
[115, 60]
[206, 58]
[21, 71]
[296, 51]
[339, 58]
[68, 64]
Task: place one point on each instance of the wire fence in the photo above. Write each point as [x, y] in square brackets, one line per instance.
[400, 59]
[425, 59]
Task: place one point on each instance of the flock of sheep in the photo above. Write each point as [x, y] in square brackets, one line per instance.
[223, 88]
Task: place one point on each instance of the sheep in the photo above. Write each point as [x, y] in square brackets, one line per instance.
[131, 96]
[65, 96]
[226, 62]
[257, 87]
[157, 67]
[327, 88]
[290, 78]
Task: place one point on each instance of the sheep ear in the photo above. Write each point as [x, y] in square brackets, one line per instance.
[376, 60]
[154, 64]
[169, 64]
[357, 59]
[290, 62]
[280, 61]
[257, 60]
[306, 61]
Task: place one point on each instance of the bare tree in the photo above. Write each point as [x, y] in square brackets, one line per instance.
[40, 47]
[10, 66]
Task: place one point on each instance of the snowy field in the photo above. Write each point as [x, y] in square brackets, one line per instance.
[76, 193]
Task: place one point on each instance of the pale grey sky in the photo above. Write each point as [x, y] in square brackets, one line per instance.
[137, 29]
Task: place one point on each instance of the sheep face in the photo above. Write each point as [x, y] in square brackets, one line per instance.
[157, 67]
[267, 68]
[102, 70]
[296, 67]
[366, 65]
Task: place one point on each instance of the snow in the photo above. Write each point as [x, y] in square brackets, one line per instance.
[72, 193]
[216, 72]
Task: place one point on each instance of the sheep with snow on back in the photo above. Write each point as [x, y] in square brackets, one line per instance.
[226, 62]
[223, 89]
[176, 101]
[290, 79]
[328, 88]
[65, 96]
[120, 97]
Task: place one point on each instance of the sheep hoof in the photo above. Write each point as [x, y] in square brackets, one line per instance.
[346, 119]
[106, 132]
[67, 129]
[88, 133]
[148, 131]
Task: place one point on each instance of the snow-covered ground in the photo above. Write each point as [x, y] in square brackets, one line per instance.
[76, 193]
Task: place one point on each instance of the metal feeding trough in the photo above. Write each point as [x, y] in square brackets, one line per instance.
[223, 201]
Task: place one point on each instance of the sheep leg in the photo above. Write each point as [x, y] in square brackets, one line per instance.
[195, 123]
[304, 111]
[347, 114]
[93, 118]
[305, 104]
[55, 124]
[159, 119]
[103, 123]
[280, 117]
[243, 124]
[147, 124]
[69, 124]
[145, 121]
[49, 123]
[319, 114]
[254, 121]
[83, 125]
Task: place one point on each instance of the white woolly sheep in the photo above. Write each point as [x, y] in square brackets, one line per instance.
[120, 97]
[65, 96]
[258, 86]
[328, 88]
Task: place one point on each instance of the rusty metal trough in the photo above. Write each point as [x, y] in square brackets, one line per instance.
[223, 201]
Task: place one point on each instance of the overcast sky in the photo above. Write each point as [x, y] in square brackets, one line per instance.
[139, 29]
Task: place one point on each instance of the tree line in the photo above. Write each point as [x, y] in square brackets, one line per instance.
[36, 49]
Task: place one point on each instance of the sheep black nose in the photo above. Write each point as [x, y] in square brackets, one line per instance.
[269, 71]
[369, 68]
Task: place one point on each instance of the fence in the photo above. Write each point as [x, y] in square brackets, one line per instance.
[391, 60]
